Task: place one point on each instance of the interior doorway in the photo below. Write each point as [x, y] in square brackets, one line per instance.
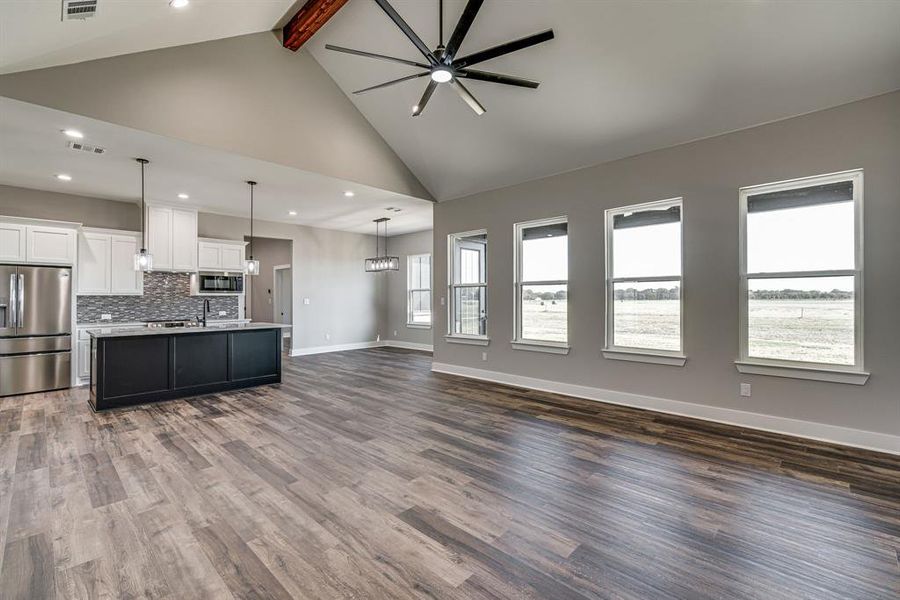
[282, 296]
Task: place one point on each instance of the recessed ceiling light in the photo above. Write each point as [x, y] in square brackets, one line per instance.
[183, 196]
[349, 194]
[179, 3]
[64, 177]
[293, 213]
[73, 133]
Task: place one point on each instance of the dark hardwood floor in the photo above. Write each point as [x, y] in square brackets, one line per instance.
[365, 476]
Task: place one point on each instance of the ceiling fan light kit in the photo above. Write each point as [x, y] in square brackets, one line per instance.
[442, 65]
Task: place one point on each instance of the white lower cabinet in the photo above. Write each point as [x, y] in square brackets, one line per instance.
[106, 263]
[83, 360]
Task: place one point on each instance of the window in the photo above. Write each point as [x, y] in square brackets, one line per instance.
[542, 285]
[418, 286]
[801, 277]
[468, 286]
[643, 283]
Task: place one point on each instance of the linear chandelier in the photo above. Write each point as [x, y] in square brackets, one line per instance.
[382, 262]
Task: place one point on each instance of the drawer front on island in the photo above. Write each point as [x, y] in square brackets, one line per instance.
[136, 369]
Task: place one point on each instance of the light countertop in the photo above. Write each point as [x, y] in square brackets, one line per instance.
[112, 332]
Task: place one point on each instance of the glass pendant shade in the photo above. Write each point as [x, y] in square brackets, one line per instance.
[251, 266]
[143, 261]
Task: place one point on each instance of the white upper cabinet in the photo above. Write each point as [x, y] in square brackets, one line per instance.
[106, 263]
[172, 238]
[40, 244]
[93, 263]
[124, 280]
[220, 255]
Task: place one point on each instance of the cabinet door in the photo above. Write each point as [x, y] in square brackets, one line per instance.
[49, 245]
[232, 257]
[124, 280]
[209, 256]
[83, 350]
[12, 242]
[93, 264]
[184, 240]
[159, 236]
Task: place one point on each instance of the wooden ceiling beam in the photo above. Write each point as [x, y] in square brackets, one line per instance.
[308, 20]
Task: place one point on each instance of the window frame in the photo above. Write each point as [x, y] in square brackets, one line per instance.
[410, 290]
[519, 342]
[852, 374]
[649, 355]
[452, 286]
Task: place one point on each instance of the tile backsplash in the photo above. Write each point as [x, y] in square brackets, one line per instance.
[166, 296]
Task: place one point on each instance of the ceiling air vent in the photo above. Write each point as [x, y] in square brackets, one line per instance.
[85, 148]
[78, 9]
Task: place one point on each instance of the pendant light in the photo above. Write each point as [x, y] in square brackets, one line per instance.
[251, 266]
[382, 262]
[143, 260]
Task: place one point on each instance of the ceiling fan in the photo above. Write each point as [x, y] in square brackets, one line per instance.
[443, 65]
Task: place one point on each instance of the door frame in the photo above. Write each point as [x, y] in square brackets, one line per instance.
[276, 296]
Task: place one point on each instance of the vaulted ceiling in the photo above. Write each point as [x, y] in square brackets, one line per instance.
[621, 78]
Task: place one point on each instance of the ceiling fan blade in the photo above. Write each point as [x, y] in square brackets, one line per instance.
[402, 61]
[497, 78]
[467, 96]
[418, 108]
[392, 82]
[407, 30]
[462, 28]
[502, 49]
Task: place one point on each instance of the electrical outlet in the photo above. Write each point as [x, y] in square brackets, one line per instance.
[223, 313]
[306, 301]
[745, 390]
[327, 337]
[378, 337]
[395, 333]
[442, 301]
[106, 317]
[484, 356]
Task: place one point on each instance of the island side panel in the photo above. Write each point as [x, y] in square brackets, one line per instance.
[256, 355]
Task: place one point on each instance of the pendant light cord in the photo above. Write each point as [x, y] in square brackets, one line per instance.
[440, 25]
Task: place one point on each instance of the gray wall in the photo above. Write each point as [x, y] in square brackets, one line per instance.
[345, 301]
[395, 301]
[270, 252]
[92, 212]
[245, 95]
[707, 174]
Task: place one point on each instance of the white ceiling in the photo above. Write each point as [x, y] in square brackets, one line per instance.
[621, 78]
[33, 150]
[32, 36]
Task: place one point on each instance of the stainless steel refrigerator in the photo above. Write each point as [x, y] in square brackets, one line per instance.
[35, 329]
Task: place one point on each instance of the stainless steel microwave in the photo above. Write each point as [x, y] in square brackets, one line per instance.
[217, 284]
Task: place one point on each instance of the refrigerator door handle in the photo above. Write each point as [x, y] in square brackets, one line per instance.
[13, 317]
[21, 309]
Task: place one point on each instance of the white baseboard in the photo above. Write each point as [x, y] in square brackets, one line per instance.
[334, 348]
[408, 345]
[360, 346]
[869, 440]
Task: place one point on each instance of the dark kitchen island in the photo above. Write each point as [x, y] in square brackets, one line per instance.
[140, 365]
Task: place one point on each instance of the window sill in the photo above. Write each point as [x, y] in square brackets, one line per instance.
[796, 372]
[643, 356]
[534, 346]
[472, 340]
[417, 326]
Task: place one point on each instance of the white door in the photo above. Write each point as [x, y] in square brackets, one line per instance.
[282, 295]
[12, 242]
[159, 236]
[184, 240]
[93, 263]
[124, 280]
[51, 245]
[232, 257]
